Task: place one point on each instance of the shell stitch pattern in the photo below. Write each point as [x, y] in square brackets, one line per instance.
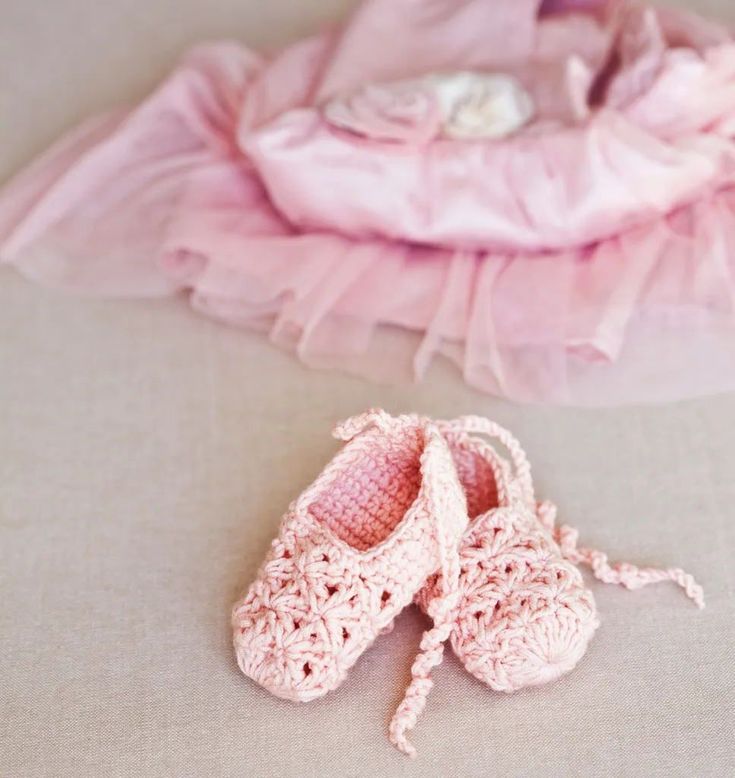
[352, 552]
[412, 508]
[525, 616]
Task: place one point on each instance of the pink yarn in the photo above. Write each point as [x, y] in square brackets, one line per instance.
[525, 615]
[351, 553]
[416, 508]
[622, 573]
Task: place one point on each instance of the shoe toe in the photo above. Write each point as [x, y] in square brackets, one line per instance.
[289, 660]
[529, 632]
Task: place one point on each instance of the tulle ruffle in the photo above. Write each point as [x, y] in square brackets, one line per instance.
[161, 200]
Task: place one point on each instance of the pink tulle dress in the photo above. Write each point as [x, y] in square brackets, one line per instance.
[544, 192]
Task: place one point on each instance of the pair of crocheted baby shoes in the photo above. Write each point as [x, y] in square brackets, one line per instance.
[415, 509]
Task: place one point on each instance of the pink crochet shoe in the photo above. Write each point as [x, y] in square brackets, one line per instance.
[352, 551]
[525, 616]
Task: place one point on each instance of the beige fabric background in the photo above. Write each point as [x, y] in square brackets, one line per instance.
[146, 455]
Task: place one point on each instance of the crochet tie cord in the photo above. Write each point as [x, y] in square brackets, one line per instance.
[442, 607]
[541, 192]
[351, 553]
[621, 573]
[525, 616]
[412, 508]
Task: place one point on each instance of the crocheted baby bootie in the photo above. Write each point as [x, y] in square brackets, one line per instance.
[352, 551]
[525, 616]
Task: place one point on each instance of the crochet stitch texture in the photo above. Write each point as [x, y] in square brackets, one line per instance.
[525, 615]
[352, 552]
[412, 508]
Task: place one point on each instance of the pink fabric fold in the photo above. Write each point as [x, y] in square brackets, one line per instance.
[587, 259]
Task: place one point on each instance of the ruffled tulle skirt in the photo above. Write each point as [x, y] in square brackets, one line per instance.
[603, 273]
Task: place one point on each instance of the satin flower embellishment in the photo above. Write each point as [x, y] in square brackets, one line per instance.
[461, 106]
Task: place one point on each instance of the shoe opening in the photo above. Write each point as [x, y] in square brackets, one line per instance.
[478, 479]
[378, 481]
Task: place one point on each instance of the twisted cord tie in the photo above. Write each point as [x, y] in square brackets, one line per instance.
[620, 573]
[443, 608]
[431, 653]
[478, 425]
